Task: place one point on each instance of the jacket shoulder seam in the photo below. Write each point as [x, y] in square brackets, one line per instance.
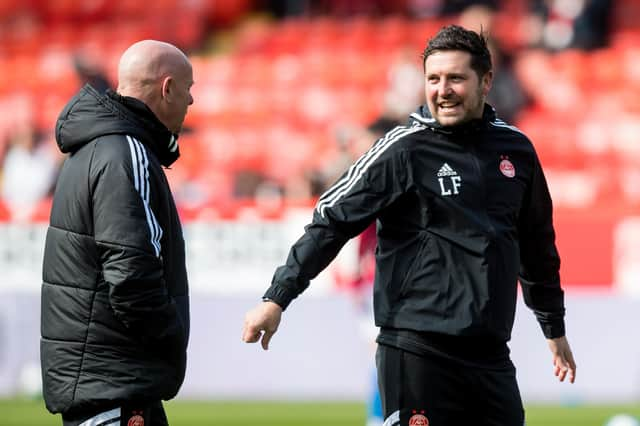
[114, 244]
[70, 231]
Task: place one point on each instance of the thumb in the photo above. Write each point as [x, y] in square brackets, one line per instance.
[266, 338]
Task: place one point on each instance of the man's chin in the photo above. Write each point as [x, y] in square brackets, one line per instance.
[449, 121]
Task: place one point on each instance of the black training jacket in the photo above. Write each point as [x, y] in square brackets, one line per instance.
[115, 307]
[462, 213]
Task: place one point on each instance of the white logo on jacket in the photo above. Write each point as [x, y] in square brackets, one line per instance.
[451, 185]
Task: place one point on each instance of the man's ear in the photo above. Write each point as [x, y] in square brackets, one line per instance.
[487, 80]
[167, 88]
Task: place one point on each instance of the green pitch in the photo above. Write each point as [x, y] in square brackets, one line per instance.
[21, 412]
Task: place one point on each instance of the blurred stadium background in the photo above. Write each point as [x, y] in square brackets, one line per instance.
[284, 90]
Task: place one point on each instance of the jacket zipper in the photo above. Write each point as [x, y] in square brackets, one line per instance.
[483, 188]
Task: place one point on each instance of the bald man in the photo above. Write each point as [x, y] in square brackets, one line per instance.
[115, 304]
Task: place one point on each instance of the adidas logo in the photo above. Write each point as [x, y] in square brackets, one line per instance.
[446, 170]
[449, 186]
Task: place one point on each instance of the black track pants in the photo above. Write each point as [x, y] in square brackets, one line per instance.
[127, 415]
[435, 391]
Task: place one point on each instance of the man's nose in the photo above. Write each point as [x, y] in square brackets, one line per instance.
[444, 88]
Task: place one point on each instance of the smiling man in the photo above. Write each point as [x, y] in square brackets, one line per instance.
[463, 212]
[455, 91]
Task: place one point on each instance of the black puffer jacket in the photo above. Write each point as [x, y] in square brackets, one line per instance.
[115, 306]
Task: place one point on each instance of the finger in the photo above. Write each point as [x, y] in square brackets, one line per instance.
[250, 338]
[563, 374]
[561, 369]
[571, 361]
[572, 368]
[266, 338]
[250, 335]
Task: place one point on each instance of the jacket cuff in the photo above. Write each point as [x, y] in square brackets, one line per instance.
[280, 295]
[553, 329]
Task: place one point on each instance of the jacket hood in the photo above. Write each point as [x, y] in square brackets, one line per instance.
[89, 115]
[423, 116]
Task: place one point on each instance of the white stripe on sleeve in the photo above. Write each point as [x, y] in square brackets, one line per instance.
[140, 163]
[357, 170]
[500, 123]
[156, 225]
[356, 166]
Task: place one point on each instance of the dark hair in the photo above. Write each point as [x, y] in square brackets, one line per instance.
[454, 37]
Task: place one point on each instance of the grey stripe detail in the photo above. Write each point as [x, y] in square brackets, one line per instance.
[393, 419]
[110, 422]
[173, 144]
[357, 165]
[147, 191]
[134, 164]
[103, 419]
[142, 181]
[140, 163]
[422, 119]
[500, 123]
[357, 170]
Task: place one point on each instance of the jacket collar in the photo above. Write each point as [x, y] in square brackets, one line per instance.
[162, 141]
[423, 116]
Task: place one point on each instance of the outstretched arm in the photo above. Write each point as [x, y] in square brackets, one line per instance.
[263, 320]
[563, 362]
[372, 183]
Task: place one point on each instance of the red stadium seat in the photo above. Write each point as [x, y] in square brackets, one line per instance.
[603, 67]
[5, 214]
[625, 15]
[42, 211]
[10, 8]
[226, 12]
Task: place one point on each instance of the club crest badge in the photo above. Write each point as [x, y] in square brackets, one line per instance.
[418, 419]
[136, 420]
[506, 167]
